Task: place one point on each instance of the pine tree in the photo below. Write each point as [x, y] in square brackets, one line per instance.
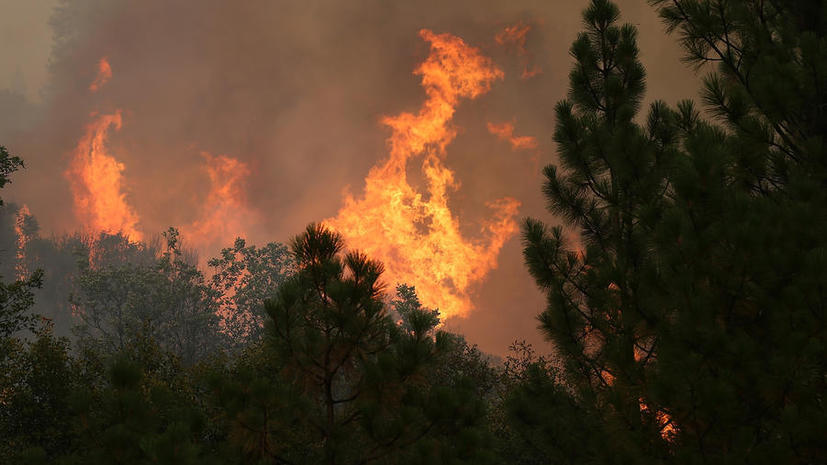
[690, 318]
[747, 236]
[136, 406]
[609, 192]
[338, 380]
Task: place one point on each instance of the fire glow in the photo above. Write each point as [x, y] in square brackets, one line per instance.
[104, 75]
[412, 231]
[98, 187]
[505, 131]
[225, 213]
[96, 178]
[415, 234]
[20, 269]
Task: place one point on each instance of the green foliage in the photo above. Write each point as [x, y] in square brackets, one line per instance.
[689, 320]
[540, 408]
[611, 189]
[36, 381]
[257, 415]
[409, 310]
[16, 300]
[166, 299]
[246, 276]
[57, 257]
[142, 408]
[337, 380]
[771, 58]
[8, 165]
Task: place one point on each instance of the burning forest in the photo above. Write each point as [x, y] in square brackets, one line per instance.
[377, 232]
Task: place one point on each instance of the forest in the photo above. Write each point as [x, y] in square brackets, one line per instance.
[683, 261]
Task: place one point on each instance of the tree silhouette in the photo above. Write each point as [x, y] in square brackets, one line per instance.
[337, 380]
[689, 318]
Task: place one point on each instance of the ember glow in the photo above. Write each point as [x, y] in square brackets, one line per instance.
[96, 179]
[225, 214]
[505, 131]
[415, 233]
[667, 427]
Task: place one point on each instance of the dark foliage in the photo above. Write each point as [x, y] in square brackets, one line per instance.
[690, 318]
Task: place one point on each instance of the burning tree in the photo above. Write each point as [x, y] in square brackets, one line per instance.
[16, 298]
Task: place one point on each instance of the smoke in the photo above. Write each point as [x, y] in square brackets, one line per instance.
[295, 92]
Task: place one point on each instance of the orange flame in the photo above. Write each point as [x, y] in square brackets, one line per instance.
[225, 213]
[97, 183]
[667, 427]
[20, 269]
[505, 131]
[416, 235]
[104, 75]
[514, 37]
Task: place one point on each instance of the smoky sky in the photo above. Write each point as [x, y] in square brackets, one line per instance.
[296, 89]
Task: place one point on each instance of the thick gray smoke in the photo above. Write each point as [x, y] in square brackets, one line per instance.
[296, 89]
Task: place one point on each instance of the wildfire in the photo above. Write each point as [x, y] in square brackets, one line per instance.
[515, 37]
[415, 234]
[667, 427]
[23, 215]
[104, 75]
[96, 179]
[505, 131]
[225, 213]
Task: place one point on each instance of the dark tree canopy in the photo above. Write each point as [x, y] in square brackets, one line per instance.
[8, 165]
[16, 298]
[344, 383]
[686, 301]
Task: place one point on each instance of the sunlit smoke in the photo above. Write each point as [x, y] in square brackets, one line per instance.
[96, 179]
[505, 131]
[414, 233]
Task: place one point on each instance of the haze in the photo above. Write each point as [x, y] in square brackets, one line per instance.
[296, 91]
